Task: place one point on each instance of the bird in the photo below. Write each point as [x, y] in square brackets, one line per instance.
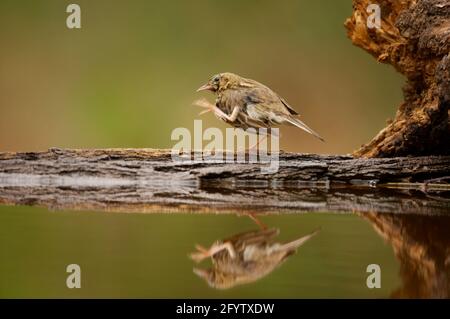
[245, 103]
[245, 257]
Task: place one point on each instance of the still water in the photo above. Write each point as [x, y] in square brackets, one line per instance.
[135, 255]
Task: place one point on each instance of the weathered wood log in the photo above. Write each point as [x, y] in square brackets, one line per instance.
[149, 180]
[414, 37]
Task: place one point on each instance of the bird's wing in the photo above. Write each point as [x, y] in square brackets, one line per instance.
[267, 101]
[262, 104]
[288, 107]
[253, 237]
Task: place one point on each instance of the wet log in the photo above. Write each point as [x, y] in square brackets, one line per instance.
[149, 180]
[414, 37]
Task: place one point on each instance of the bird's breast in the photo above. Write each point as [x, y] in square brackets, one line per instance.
[229, 99]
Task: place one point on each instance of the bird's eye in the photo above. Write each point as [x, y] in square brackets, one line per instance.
[216, 79]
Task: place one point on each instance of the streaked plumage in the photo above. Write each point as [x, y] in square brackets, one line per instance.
[257, 105]
[245, 257]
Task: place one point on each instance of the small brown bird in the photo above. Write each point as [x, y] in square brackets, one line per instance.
[245, 257]
[245, 103]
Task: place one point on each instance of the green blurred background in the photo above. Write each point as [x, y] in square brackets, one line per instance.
[146, 255]
[128, 77]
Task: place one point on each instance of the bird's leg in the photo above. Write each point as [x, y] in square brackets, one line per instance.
[211, 107]
[203, 253]
[258, 142]
[233, 115]
[228, 118]
[263, 139]
[257, 221]
[215, 248]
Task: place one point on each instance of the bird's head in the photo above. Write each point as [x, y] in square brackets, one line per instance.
[224, 81]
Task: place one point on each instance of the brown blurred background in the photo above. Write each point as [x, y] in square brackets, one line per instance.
[128, 77]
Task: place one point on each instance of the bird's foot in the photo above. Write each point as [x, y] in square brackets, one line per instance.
[208, 106]
[203, 253]
[200, 254]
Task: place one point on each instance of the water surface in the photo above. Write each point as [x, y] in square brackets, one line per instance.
[137, 255]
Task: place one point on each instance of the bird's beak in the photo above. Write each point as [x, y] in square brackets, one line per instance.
[204, 87]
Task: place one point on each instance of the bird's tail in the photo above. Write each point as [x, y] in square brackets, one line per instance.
[293, 245]
[296, 122]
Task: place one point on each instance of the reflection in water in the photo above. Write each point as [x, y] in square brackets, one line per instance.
[422, 245]
[245, 257]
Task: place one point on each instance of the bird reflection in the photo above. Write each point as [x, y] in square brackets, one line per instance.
[245, 257]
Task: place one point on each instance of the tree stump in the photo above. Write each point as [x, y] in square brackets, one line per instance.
[414, 38]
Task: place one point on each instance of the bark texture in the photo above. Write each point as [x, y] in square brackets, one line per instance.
[414, 38]
[149, 180]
